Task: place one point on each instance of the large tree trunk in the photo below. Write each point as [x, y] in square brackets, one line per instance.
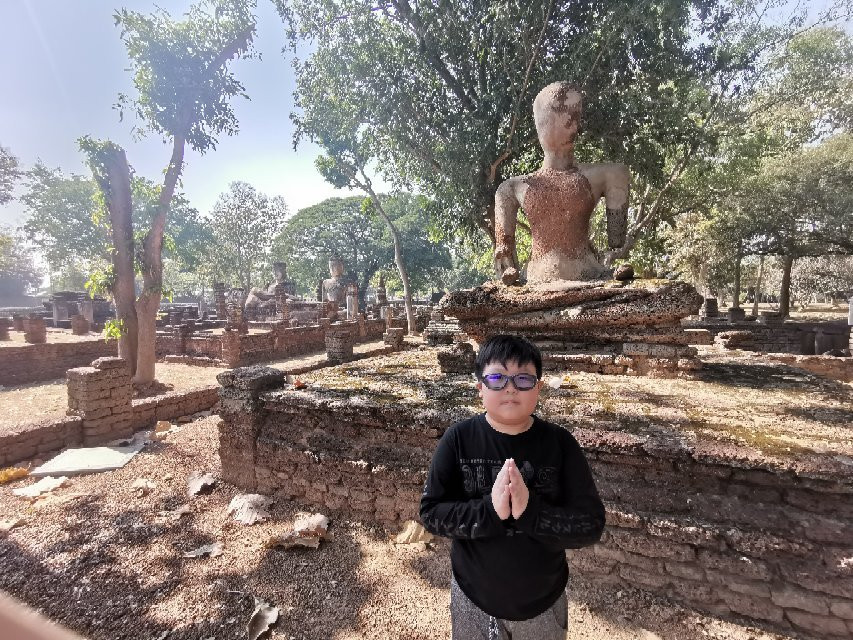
[785, 293]
[115, 185]
[152, 271]
[758, 286]
[736, 294]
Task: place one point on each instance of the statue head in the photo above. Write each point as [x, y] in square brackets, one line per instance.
[336, 267]
[557, 114]
[280, 271]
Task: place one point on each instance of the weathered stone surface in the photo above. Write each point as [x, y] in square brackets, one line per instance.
[251, 378]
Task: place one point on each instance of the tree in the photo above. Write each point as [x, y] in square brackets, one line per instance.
[346, 228]
[244, 224]
[443, 90]
[18, 273]
[183, 85]
[9, 174]
[802, 206]
[67, 224]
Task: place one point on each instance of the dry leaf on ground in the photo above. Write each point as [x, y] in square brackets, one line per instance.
[308, 530]
[249, 508]
[161, 429]
[200, 482]
[45, 485]
[413, 534]
[54, 500]
[263, 617]
[213, 549]
[143, 486]
[12, 473]
[170, 517]
[8, 525]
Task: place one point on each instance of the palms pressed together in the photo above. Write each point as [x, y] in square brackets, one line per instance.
[509, 493]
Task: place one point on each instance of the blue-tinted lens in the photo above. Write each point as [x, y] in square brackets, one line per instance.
[495, 380]
[524, 381]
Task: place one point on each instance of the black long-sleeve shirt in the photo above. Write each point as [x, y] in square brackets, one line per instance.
[511, 569]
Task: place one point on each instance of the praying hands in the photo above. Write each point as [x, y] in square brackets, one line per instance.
[509, 493]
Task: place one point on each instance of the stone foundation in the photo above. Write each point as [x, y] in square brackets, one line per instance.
[79, 325]
[35, 330]
[339, 346]
[393, 337]
[791, 336]
[705, 524]
[101, 396]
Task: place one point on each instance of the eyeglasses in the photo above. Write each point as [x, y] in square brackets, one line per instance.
[521, 381]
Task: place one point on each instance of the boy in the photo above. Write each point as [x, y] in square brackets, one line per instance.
[513, 492]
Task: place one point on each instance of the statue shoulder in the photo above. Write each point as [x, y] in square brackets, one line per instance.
[605, 171]
[512, 188]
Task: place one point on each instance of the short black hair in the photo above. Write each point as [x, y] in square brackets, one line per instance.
[504, 349]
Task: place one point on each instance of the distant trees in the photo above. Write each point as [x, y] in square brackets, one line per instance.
[244, 224]
[9, 174]
[18, 273]
[183, 92]
[345, 227]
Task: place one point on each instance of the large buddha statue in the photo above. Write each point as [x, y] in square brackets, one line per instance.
[570, 304]
[558, 200]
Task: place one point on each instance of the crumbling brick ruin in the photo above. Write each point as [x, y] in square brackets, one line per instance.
[708, 524]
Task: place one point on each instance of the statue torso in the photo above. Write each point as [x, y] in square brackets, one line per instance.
[558, 205]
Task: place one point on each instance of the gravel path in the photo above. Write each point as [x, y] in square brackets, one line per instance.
[105, 562]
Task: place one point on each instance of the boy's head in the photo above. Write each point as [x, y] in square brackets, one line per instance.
[505, 349]
[508, 369]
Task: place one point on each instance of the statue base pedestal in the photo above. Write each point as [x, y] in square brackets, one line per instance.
[609, 327]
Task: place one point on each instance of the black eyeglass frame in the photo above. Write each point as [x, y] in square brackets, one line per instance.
[507, 379]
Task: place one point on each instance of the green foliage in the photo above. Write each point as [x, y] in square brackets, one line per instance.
[9, 174]
[244, 223]
[348, 228]
[179, 68]
[114, 329]
[18, 273]
[101, 281]
[801, 203]
[440, 94]
[68, 223]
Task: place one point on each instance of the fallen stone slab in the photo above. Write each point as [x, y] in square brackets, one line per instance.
[75, 462]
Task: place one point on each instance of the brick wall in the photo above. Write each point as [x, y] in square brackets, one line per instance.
[704, 525]
[788, 337]
[26, 441]
[37, 362]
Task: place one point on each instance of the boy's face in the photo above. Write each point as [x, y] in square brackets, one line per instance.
[509, 405]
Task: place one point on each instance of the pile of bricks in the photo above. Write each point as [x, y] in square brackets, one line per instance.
[101, 395]
[79, 325]
[339, 345]
[35, 331]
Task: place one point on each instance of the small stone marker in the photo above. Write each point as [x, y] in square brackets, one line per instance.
[74, 462]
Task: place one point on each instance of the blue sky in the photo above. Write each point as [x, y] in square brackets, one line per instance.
[62, 65]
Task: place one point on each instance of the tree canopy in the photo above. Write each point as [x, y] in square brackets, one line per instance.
[9, 174]
[244, 224]
[346, 228]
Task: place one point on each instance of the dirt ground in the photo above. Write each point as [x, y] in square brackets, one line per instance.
[49, 399]
[16, 338]
[107, 563]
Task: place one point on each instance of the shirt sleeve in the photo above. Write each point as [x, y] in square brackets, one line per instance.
[578, 520]
[445, 511]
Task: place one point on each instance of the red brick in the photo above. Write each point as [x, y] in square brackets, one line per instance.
[752, 607]
[823, 625]
[653, 547]
[639, 578]
[792, 597]
[689, 571]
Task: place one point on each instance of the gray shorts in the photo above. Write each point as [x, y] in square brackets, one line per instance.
[469, 622]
